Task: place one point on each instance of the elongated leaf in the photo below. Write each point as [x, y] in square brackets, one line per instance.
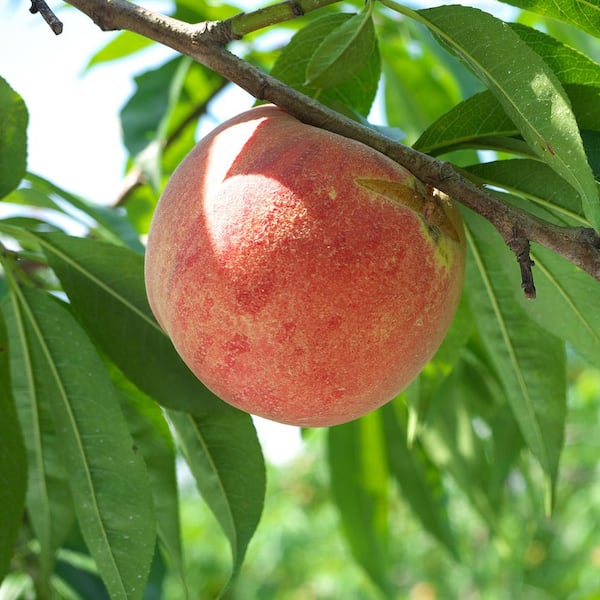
[49, 504]
[148, 117]
[124, 44]
[152, 438]
[583, 14]
[438, 368]
[527, 89]
[13, 138]
[529, 360]
[358, 469]
[342, 53]
[107, 478]
[569, 65]
[567, 303]
[105, 284]
[451, 441]
[230, 478]
[548, 195]
[418, 478]
[482, 115]
[110, 224]
[13, 462]
[413, 98]
[290, 67]
[480, 122]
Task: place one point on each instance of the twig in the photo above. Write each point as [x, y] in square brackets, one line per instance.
[47, 14]
[521, 249]
[205, 42]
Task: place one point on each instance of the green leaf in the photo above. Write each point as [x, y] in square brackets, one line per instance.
[13, 138]
[122, 45]
[108, 480]
[569, 64]
[153, 440]
[142, 115]
[480, 122]
[530, 361]
[165, 99]
[49, 504]
[229, 473]
[583, 14]
[438, 368]
[357, 94]
[13, 462]
[343, 52]
[105, 284]
[527, 89]
[545, 193]
[449, 437]
[566, 303]
[418, 478]
[359, 477]
[421, 85]
[110, 224]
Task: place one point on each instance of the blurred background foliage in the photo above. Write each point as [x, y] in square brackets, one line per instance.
[300, 553]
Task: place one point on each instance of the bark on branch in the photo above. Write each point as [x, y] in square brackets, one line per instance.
[205, 42]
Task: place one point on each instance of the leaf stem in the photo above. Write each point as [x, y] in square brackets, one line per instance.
[245, 23]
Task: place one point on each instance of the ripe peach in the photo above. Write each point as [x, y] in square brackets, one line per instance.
[302, 276]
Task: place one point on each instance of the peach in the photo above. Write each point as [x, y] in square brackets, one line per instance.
[302, 276]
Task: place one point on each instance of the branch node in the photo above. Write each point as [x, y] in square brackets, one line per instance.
[214, 32]
[520, 246]
[47, 14]
[297, 9]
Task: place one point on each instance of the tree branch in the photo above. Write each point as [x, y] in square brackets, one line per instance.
[53, 21]
[205, 42]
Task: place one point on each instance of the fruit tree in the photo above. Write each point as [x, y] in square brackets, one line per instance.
[397, 251]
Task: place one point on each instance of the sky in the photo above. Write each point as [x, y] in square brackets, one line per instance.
[74, 136]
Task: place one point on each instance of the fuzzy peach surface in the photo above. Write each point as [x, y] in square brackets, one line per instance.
[290, 289]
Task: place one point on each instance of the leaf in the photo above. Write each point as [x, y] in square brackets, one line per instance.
[418, 478]
[569, 65]
[438, 368]
[545, 193]
[110, 224]
[13, 138]
[229, 476]
[583, 14]
[449, 437]
[122, 45]
[153, 440]
[13, 462]
[359, 477]
[419, 86]
[482, 115]
[343, 52]
[527, 89]
[49, 504]
[105, 284]
[566, 304]
[107, 478]
[480, 122]
[165, 99]
[290, 67]
[530, 361]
